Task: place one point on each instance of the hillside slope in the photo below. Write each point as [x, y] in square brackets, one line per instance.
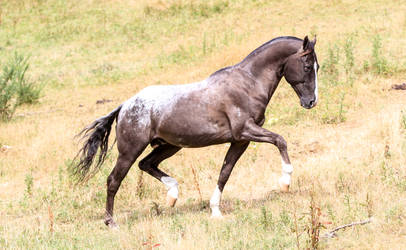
[348, 152]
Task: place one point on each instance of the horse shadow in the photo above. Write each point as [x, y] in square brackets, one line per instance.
[228, 206]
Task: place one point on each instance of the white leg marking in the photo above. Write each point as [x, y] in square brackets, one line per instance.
[316, 90]
[172, 186]
[284, 181]
[215, 203]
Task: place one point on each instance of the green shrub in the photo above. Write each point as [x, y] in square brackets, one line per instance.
[7, 90]
[15, 88]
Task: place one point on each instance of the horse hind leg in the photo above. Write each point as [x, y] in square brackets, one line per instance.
[124, 162]
[150, 165]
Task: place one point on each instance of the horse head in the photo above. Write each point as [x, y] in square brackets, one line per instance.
[300, 71]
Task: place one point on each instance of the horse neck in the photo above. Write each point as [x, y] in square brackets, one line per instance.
[266, 66]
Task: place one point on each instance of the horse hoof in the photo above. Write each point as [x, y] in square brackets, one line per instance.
[216, 216]
[171, 201]
[216, 213]
[284, 187]
[284, 184]
[111, 224]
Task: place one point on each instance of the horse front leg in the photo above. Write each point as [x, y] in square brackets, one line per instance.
[232, 156]
[253, 132]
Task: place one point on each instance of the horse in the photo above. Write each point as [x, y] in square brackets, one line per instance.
[227, 107]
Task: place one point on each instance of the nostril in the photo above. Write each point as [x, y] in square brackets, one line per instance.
[312, 102]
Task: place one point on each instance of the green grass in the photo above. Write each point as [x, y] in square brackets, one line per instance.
[68, 34]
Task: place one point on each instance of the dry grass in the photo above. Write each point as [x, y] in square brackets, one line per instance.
[356, 166]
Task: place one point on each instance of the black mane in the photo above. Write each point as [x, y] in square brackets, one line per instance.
[260, 49]
[263, 46]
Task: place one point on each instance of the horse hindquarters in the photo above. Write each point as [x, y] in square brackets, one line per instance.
[133, 136]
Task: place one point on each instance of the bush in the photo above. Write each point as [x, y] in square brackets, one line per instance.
[15, 89]
[7, 90]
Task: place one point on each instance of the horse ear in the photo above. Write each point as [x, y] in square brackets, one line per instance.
[314, 40]
[305, 43]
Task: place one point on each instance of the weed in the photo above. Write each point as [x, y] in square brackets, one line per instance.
[386, 173]
[369, 205]
[403, 119]
[348, 206]
[314, 225]
[341, 111]
[266, 218]
[28, 183]
[387, 153]
[331, 213]
[140, 186]
[365, 66]
[330, 67]
[196, 182]
[379, 63]
[341, 184]
[296, 230]
[335, 114]
[60, 174]
[51, 219]
[349, 60]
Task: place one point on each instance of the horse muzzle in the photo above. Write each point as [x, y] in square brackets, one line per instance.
[308, 103]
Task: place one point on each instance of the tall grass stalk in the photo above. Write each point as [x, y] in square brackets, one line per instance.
[379, 63]
[349, 60]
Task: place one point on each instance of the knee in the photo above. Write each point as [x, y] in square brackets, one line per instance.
[143, 165]
[281, 143]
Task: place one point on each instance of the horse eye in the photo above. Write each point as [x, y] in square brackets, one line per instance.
[307, 68]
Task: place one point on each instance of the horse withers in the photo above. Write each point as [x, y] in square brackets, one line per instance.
[228, 106]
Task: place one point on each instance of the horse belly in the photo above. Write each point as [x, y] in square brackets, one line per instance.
[193, 129]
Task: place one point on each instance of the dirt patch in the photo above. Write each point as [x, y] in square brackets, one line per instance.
[399, 86]
[103, 101]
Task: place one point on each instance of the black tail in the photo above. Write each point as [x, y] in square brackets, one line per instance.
[96, 135]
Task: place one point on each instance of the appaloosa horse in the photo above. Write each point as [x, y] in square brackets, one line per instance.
[228, 106]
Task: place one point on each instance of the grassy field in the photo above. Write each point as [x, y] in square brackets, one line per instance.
[349, 152]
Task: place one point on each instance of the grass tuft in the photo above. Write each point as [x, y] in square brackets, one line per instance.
[15, 88]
